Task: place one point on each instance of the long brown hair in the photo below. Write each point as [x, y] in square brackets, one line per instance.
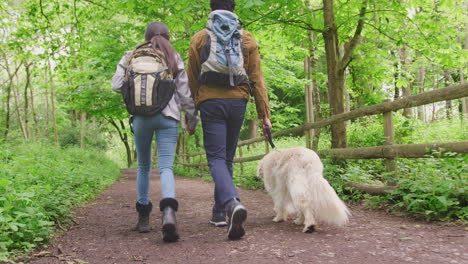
[158, 34]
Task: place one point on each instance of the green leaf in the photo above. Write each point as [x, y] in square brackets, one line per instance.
[13, 227]
[4, 183]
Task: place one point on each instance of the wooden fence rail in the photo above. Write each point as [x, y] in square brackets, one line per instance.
[389, 151]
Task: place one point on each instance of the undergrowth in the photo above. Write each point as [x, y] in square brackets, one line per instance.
[39, 185]
[432, 188]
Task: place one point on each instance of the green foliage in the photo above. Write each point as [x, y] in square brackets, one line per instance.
[84, 40]
[437, 131]
[431, 189]
[337, 176]
[371, 127]
[406, 131]
[39, 185]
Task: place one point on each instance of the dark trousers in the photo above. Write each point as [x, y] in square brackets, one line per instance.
[222, 120]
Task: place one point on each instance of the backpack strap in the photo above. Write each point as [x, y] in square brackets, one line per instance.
[227, 52]
[141, 45]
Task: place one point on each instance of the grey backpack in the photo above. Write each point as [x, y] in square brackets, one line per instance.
[222, 57]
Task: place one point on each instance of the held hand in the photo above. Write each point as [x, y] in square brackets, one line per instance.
[266, 123]
[189, 131]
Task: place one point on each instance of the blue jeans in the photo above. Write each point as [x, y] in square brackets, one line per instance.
[166, 137]
[222, 120]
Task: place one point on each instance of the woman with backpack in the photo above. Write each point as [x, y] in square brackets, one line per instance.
[155, 88]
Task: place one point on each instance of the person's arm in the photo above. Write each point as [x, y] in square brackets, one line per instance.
[254, 71]
[119, 75]
[184, 97]
[194, 66]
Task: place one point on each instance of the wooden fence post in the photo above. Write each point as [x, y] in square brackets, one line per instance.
[241, 163]
[389, 132]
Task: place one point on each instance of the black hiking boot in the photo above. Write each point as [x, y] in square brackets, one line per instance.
[168, 207]
[218, 218]
[237, 215]
[143, 225]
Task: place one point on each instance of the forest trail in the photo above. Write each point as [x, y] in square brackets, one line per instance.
[102, 234]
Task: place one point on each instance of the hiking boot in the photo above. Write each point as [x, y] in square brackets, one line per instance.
[143, 225]
[218, 219]
[237, 215]
[168, 207]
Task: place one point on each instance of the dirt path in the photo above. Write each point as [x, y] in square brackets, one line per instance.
[102, 234]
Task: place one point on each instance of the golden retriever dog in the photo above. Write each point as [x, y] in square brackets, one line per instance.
[293, 178]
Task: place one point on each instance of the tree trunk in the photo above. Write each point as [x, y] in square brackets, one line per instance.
[11, 76]
[421, 80]
[46, 100]
[52, 101]
[404, 68]
[253, 128]
[18, 111]
[462, 78]
[26, 101]
[336, 67]
[83, 118]
[396, 75]
[7, 112]
[34, 115]
[448, 103]
[122, 130]
[313, 94]
[464, 100]
[127, 145]
[309, 105]
[347, 100]
[335, 75]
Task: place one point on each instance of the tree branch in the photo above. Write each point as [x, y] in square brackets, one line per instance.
[296, 22]
[112, 122]
[354, 41]
[43, 14]
[259, 18]
[393, 39]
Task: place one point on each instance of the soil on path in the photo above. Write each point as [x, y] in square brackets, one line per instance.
[102, 234]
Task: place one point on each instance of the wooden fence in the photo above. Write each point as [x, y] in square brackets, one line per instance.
[389, 151]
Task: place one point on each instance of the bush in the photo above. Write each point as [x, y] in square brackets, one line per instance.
[39, 185]
[430, 189]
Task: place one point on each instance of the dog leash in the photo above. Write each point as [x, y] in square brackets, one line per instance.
[270, 139]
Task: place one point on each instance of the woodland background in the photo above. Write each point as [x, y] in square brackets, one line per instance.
[62, 126]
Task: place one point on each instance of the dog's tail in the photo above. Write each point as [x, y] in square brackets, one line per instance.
[327, 206]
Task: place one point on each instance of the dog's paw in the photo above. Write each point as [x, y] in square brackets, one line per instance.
[299, 221]
[277, 219]
[309, 229]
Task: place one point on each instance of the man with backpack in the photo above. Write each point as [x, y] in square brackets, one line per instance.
[224, 71]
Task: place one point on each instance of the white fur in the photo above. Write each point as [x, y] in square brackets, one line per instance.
[293, 178]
